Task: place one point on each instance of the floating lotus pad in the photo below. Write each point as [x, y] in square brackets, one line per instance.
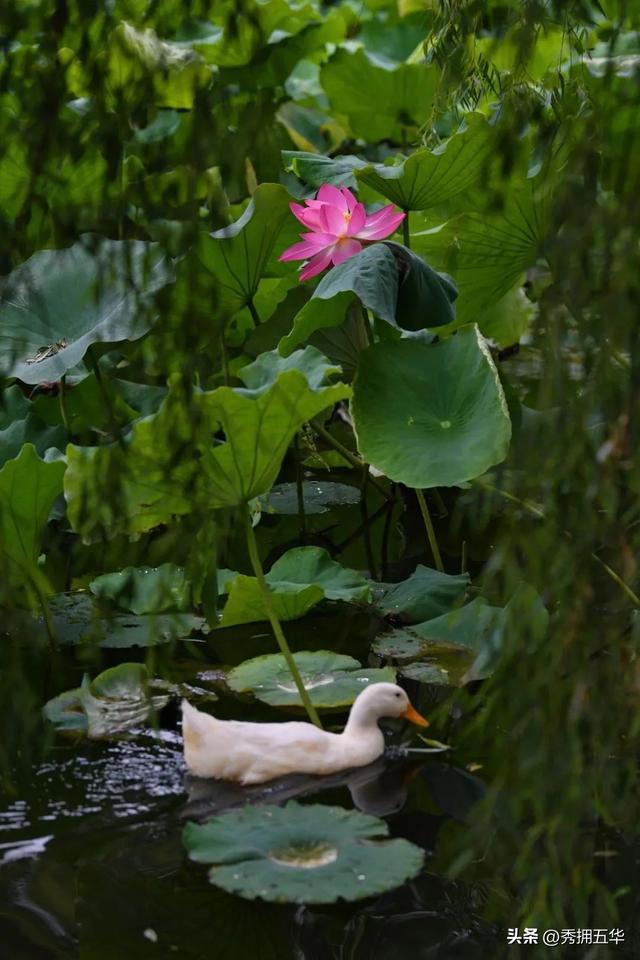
[332, 680]
[76, 620]
[301, 854]
[117, 700]
[431, 414]
[425, 594]
[144, 590]
[461, 645]
[320, 496]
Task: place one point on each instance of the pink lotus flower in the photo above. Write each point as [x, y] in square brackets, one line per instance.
[339, 226]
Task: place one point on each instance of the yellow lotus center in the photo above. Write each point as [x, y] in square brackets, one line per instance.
[347, 216]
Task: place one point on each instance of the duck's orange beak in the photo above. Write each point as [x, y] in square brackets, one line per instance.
[412, 714]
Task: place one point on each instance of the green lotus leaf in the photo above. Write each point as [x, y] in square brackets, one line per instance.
[431, 414]
[246, 604]
[314, 565]
[237, 40]
[20, 423]
[394, 37]
[168, 73]
[260, 375]
[332, 680]
[487, 252]
[442, 664]
[444, 650]
[509, 318]
[144, 590]
[436, 673]
[425, 594]
[15, 179]
[28, 488]
[464, 644]
[301, 853]
[58, 303]
[77, 621]
[402, 94]
[171, 462]
[465, 627]
[237, 255]
[371, 276]
[315, 169]
[117, 700]
[319, 496]
[425, 297]
[299, 580]
[428, 178]
[88, 406]
[65, 712]
[279, 53]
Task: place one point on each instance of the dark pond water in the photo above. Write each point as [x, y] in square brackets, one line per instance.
[92, 865]
[91, 859]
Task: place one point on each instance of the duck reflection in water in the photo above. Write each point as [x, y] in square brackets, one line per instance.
[379, 789]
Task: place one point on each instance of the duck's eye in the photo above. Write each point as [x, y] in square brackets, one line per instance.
[398, 695]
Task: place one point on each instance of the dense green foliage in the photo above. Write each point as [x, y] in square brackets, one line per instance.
[178, 410]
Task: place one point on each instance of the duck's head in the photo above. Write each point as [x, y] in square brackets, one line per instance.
[383, 700]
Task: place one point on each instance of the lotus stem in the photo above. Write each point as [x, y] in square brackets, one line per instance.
[104, 393]
[366, 523]
[276, 626]
[46, 613]
[302, 521]
[350, 457]
[368, 332]
[62, 400]
[255, 316]
[406, 233]
[431, 534]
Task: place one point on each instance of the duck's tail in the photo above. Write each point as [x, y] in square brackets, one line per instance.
[194, 725]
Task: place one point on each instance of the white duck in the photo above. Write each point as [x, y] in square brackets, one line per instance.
[255, 752]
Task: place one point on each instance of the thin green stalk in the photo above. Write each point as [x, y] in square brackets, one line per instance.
[46, 613]
[366, 523]
[463, 559]
[348, 456]
[255, 316]
[254, 556]
[384, 551]
[302, 520]
[406, 233]
[368, 332]
[431, 534]
[62, 400]
[102, 387]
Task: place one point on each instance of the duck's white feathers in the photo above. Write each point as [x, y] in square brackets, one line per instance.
[256, 752]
